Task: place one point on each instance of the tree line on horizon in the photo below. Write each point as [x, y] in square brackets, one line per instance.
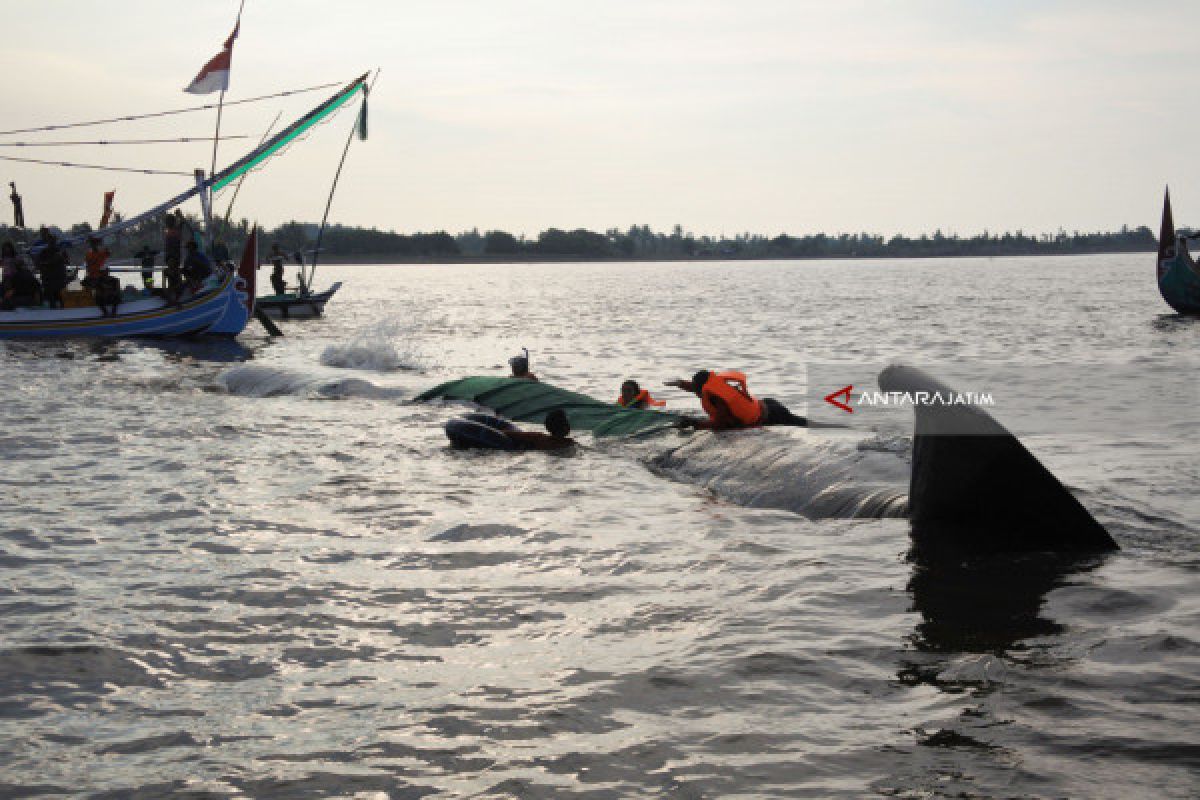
[637, 242]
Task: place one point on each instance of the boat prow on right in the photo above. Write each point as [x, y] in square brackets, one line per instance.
[1178, 276]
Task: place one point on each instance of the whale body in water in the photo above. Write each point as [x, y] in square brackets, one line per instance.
[971, 483]
[968, 482]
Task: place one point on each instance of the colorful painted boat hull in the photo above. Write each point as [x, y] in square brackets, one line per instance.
[222, 311]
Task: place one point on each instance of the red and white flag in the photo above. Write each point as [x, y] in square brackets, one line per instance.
[214, 76]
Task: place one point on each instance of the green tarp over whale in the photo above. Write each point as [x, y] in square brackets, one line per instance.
[530, 401]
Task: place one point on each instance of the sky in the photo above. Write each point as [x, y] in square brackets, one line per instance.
[766, 116]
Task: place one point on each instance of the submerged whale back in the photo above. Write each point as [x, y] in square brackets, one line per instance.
[768, 468]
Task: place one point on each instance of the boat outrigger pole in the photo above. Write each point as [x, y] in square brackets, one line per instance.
[360, 127]
[244, 164]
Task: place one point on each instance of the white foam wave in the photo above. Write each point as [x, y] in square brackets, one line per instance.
[253, 380]
[383, 347]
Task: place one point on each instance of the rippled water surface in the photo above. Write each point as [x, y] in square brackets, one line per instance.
[254, 569]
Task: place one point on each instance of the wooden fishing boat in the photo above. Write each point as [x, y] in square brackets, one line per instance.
[1178, 275]
[294, 305]
[221, 308]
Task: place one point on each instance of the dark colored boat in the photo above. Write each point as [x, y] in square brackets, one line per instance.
[296, 306]
[1178, 276]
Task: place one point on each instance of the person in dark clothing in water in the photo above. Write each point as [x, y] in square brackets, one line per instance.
[278, 282]
[730, 405]
[520, 366]
[557, 438]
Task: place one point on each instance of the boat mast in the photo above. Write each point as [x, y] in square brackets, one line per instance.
[241, 166]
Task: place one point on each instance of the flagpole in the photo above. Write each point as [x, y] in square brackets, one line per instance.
[217, 133]
[213, 169]
[237, 25]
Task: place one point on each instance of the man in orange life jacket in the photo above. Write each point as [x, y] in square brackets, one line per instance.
[634, 396]
[729, 405]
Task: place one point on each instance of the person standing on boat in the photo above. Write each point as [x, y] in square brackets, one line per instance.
[173, 239]
[52, 268]
[8, 262]
[95, 261]
[18, 286]
[173, 284]
[278, 282]
[146, 256]
[220, 253]
[729, 404]
[108, 293]
[301, 284]
[196, 267]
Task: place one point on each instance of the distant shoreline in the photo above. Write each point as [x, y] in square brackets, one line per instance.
[341, 244]
[377, 259]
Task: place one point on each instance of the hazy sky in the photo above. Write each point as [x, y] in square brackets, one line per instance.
[759, 115]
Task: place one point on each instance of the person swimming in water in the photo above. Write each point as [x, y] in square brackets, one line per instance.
[520, 366]
[634, 396]
[729, 404]
[488, 432]
[558, 436]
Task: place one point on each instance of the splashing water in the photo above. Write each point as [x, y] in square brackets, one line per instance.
[375, 348]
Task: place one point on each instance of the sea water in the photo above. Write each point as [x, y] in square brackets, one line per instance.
[255, 569]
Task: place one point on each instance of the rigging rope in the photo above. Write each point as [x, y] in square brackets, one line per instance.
[360, 127]
[94, 166]
[123, 141]
[242, 179]
[132, 117]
